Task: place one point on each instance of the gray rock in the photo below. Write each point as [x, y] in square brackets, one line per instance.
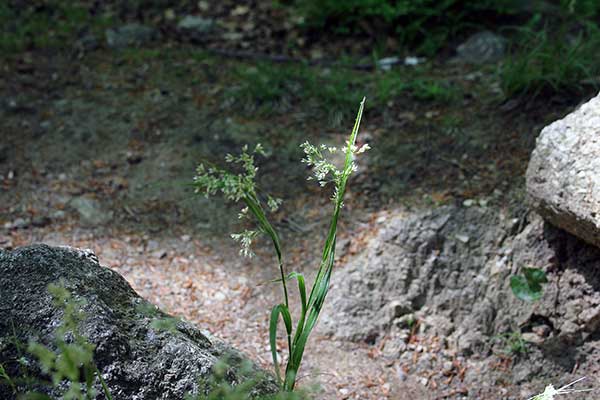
[483, 47]
[90, 211]
[417, 262]
[152, 245]
[195, 28]
[563, 176]
[40, 221]
[460, 291]
[129, 35]
[58, 215]
[19, 223]
[87, 43]
[136, 359]
[533, 338]
[159, 254]
[386, 64]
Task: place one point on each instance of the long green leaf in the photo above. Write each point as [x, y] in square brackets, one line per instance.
[301, 288]
[105, 389]
[287, 320]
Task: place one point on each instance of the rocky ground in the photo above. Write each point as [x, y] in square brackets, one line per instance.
[99, 145]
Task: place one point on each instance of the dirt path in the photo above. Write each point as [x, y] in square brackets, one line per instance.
[204, 284]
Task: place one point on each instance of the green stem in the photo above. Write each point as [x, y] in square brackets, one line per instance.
[254, 206]
[103, 383]
[321, 283]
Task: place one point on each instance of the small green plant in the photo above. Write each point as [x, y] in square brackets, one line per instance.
[433, 90]
[73, 360]
[218, 385]
[240, 187]
[514, 343]
[528, 287]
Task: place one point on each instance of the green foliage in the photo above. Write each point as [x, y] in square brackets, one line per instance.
[240, 187]
[7, 379]
[548, 63]
[271, 88]
[528, 287]
[43, 24]
[513, 343]
[73, 359]
[425, 23]
[392, 85]
[433, 90]
[581, 8]
[266, 86]
[218, 386]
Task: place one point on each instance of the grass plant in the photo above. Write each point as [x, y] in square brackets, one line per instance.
[269, 88]
[512, 343]
[552, 63]
[425, 25]
[240, 187]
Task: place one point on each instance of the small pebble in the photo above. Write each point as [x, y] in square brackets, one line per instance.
[463, 238]
[219, 296]
[159, 254]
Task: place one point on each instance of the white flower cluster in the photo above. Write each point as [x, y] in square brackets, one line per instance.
[245, 238]
[325, 171]
[274, 203]
[236, 187]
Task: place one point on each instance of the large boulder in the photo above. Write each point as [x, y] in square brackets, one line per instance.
[432, 291]
[563, 177]
[137, 359]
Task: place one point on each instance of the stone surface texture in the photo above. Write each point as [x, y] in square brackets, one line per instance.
[563, 176]
[443, 276]
[129, 35]
[136, 359]
[483, 47]
[196, 24]
[91, 212]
